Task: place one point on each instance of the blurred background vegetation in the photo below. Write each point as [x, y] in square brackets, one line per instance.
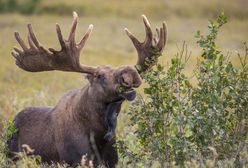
[108, 44]
[157, 8]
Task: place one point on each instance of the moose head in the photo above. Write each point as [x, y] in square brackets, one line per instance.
[103, 80]
[80, 111]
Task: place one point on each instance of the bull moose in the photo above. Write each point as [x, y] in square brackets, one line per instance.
[77, 125]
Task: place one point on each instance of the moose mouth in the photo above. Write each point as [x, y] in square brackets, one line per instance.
[129, 94]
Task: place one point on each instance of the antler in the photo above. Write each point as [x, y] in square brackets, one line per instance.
[36, 58]
[153, 46]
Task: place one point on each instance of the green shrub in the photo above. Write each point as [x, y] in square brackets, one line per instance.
[8, 130]
[29, 6]
[180, 124]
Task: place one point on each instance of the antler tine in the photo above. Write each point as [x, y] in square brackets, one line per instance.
[163, 36]
[32, 36]
[20, 41]
[73, 28]
[60, 36]
[135, 41]
[148, 30]
[18, 50]
[15, 54]
[31, 43]
[156, 37]
[85, 37]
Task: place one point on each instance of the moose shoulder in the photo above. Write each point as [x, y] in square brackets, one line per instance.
[83, 122]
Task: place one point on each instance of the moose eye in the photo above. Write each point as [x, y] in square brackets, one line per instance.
[100, 76]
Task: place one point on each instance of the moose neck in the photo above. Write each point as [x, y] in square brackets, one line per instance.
[89, 109]
[82, 107]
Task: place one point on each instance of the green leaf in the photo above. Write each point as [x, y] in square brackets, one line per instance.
[148, 91]
[138, 67]
[229, 67]
[188, 133]
[170, 143]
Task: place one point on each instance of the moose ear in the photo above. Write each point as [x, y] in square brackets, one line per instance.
[90, 78]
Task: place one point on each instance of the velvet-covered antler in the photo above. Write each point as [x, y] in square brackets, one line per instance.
[36, 58]
[153, 46]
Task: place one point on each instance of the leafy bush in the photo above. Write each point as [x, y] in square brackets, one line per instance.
[8, 130]
[185, 125]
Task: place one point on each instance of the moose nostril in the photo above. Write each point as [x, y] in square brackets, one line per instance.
[125, 83]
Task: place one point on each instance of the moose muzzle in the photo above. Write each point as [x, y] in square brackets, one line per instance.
[129, 80]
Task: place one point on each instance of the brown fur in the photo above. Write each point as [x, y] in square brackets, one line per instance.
[62, 133]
